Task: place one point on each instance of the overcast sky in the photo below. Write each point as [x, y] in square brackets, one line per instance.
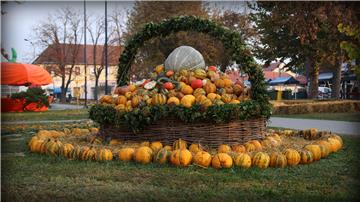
[18, 22]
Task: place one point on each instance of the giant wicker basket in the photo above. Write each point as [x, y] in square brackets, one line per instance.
[211, 135]
[171, 129]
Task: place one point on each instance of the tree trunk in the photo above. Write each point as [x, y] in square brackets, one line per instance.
[63, 90]
[314, 79]
[96, 90]
[336, 82]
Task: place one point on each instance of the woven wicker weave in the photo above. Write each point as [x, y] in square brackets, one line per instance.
[211, 135]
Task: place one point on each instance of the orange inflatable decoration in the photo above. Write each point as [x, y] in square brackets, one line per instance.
[17, 74]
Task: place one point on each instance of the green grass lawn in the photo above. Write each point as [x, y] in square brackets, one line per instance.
[42, 178]
[353, 117]
[48, 115]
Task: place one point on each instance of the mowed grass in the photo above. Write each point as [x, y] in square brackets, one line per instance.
[352, 117]
[73, 114]
[43, 178]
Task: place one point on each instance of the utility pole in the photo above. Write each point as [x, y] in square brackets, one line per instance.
[106, 52]
[85, 61]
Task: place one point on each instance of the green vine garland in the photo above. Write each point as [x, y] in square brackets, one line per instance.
[138, 119]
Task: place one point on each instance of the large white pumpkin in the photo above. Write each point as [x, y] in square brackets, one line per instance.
[184, 57]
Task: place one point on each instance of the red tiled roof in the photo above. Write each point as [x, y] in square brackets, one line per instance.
[272, 66]
[273, 75]
[50, 54]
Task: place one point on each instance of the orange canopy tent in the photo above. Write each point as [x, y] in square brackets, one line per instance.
[17, 74]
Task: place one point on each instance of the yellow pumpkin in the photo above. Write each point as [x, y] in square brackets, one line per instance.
[67, 149]
[187, 90]
[195, 148]
[338, 138]
[261, 160]
[206, 103]
[179, 144]
[292, 156]
[221, 160]
[135, 101]
[226, 98]
[250, 147]
[88, 154]
[36, 144]
[75, 153]
[126, 154]
[104, 155]
[306, 157]
[209, 88]
[200, 98]
[238, 148]
[315, 150]
[162, 156]
[158, 99]
[132, 87]
[212, 96]
[53, 147]
[278, 160]
[200, 73]
[106, 99]
[324, 151]
[143, 155]
[243, 160]
[335, 144]
[173, 101]
[199, 91]
[219, 83]
[120, 107]
[224, 148]
[188, 101]
[326, 144]
[202, 159]
[128, 96]
[181, 157]
[156, 146]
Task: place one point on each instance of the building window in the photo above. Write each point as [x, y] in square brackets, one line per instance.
[77, 70]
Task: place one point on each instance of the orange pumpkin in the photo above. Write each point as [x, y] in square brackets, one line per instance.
[143, 155]
[219, 83]
[126, 154]
[315, 150]
[224, 148]
[238, 148]
[261, 160]
[237, 89]
[306, 157]
[121, 100]
[226, 98]
[209, 88]
[278, 160]
[188, 101]
[187, 90]
[202, 159]
[181, 157]
[222, 160]
[227, 83]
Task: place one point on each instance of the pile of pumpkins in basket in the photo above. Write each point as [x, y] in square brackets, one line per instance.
[184, 87]
[257, 153]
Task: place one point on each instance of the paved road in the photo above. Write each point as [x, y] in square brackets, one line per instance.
[342, 127]
[58, 106]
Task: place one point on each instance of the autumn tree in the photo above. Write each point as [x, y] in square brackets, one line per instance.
[156, 50]
[61, 33]
[303, 32]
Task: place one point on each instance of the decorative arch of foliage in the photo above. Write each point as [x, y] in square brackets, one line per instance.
[231, 40]
[139, 118]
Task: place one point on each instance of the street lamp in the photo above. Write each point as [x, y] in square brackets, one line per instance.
[33, 45]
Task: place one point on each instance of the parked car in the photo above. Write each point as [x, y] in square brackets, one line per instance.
[324, 93]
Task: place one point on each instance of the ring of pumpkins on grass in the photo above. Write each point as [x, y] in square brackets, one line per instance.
[279, 149]
[185, 87]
